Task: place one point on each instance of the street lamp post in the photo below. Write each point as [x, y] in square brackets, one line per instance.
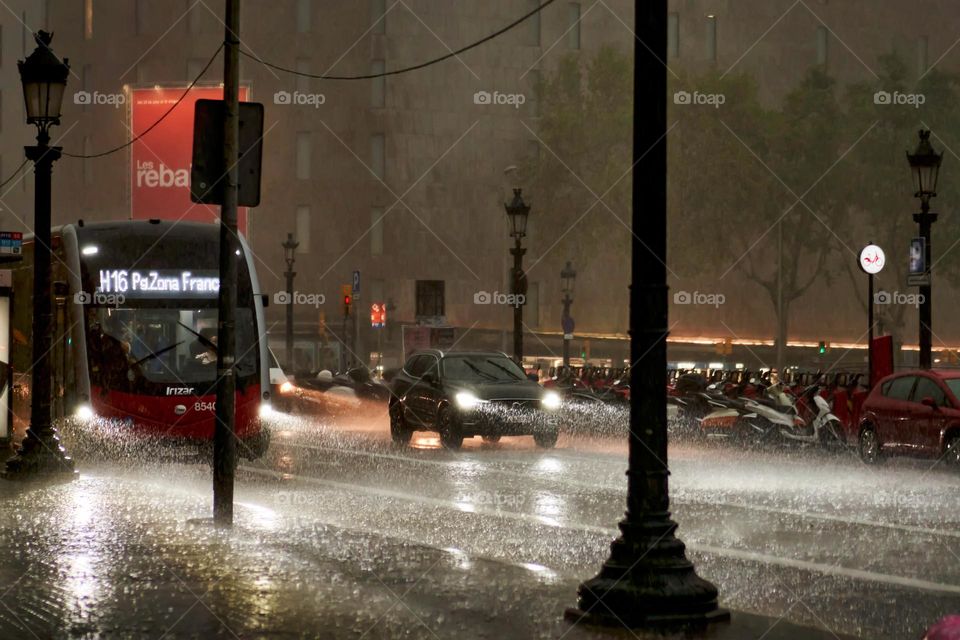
[518, 211]
[289, 247]
[647, 581]
[44, 78]
[568, 276]
[925, 165]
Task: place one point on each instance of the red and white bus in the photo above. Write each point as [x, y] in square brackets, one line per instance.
[135, 322]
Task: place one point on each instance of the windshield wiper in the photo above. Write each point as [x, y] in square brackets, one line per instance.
[505, 370]
[479, 371]
[157, 354]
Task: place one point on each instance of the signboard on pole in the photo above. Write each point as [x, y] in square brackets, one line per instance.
[917, 273]
[356, 284]
[160, 162]
[11, 243]
[872, 259]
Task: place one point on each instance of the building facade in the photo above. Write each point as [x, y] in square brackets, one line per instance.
[404, 177]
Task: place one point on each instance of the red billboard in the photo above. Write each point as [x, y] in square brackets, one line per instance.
[160, 161]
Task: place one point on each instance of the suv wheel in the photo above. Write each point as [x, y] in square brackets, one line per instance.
[952, 454]
[546, 439]
[399, 431]
[869, 446]
[451, 437]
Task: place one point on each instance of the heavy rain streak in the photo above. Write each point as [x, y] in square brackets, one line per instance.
[534, 319]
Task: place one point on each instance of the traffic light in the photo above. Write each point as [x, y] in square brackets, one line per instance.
[346, 298]
[824, 347]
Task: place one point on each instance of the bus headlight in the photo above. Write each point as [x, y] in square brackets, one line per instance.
[286, 388]
[266, 410]
[550, 400]
[83, 412]
[466, 400]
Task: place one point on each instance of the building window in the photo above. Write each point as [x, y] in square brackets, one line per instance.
[378, 16]
[303, 82]
[378, 86]
[193, 17]
[822, 36]
[87, 162]
[304, 17]
[88, 19]
[303, 229]
[140, 17]
[303, 155]
[533, 92]
[430, 298]
[711, 38]
[376, 231]
[532, 32]
[673, 35]
[923, 50]
[377, 155]
[533, 150]
[531, 307]
[86, 80]
[376, 291]
[573, 28]
[194, 67]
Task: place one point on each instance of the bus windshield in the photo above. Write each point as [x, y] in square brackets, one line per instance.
[149, 294]
[162, 345]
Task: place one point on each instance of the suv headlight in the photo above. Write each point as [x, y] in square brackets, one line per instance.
[466, 400]
[550, 400]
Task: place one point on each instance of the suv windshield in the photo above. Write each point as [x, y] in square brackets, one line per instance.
[480, 368]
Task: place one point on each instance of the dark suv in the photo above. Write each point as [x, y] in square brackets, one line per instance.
[466, 394]
[912, 413]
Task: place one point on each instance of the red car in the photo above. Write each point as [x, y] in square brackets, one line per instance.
[912, 413]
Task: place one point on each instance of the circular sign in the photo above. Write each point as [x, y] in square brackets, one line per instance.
[872, 259]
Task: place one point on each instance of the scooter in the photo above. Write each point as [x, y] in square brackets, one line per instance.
[822, 426]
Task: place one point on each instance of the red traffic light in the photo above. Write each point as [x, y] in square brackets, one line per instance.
[346, 300]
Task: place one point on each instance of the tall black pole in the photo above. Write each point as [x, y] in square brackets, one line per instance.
[518, 289]
[566, 341]
[224, 437]
[40, 453]
[926, 219]
[290, 246]
[870, 331]
[647, 580]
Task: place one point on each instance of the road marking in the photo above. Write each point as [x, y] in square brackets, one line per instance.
[556, 479]
[740, 554]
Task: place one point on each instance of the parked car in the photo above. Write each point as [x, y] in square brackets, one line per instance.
[911, 413]
[467, 394]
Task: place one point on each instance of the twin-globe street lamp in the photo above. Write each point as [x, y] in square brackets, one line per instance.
[289, 248]
[925, 164]
[568, 276]
[44, 78]
[518, 211]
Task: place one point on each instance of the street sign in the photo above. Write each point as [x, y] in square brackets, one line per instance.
[378, 315]
[11, 242]
[917, 274]
[567, 324]
[207, 170]
[872, 259]
[356, 284]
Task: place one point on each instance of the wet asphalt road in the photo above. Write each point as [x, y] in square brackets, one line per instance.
[496, 535]
[819, 538]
